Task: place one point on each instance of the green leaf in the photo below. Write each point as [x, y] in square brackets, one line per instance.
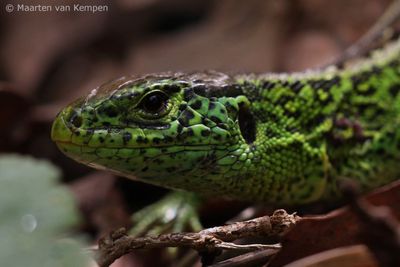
[36, 213]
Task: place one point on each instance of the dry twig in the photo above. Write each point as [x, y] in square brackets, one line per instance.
[118, 243]
[379, 31]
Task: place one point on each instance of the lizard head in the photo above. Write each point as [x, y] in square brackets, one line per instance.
[162, 129]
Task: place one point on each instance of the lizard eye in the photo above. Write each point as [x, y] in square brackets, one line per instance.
[154, 102]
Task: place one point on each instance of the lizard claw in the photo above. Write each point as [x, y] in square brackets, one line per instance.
[175, 212]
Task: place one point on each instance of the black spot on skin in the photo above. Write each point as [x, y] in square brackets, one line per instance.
[232, 90]
[252, 91]
[205, 133]
[109, 110]
[247, 124]
[188, 94]
[89, 132]
[284, 83]
[189, 114]
[139, 139]
[316, 84]
[268, 85]
[190, 132]
[394, 90]
[323, 84]
[283, 99]
[182, 121]
[296, 86]
[182, 107]
[222, 126]
[196, 104]
[211, 106]
[126, 137]
[180, 128]
[334, 81]
[208, 122]
[229, 107]
[156, 140]
[215, 119]
[185, 117]
[77, 133]
[173, 88]
[217, 137]
[200, 89]
[370, 91]
[111, 140]
[101, 139]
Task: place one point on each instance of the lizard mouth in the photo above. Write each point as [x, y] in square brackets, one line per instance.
[108, 150]
[140, 159]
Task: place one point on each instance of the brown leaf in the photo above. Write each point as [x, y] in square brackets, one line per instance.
[338, 228]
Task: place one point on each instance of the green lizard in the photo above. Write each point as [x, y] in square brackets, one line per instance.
[277, 138]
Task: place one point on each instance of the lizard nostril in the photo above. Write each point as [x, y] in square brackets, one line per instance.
[76, 120]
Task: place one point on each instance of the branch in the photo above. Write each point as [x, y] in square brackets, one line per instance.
[118, 243]
[378, 31]
[255, 258]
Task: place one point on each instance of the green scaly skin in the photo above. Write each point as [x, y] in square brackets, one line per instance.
[279, 138]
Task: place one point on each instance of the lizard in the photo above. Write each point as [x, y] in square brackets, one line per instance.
[283, 138]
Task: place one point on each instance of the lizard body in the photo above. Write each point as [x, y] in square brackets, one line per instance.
[279, 138]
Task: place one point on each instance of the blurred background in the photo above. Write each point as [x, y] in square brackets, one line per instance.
[50, 58]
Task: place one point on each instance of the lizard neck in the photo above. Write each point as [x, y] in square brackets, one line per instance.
[306, 123]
